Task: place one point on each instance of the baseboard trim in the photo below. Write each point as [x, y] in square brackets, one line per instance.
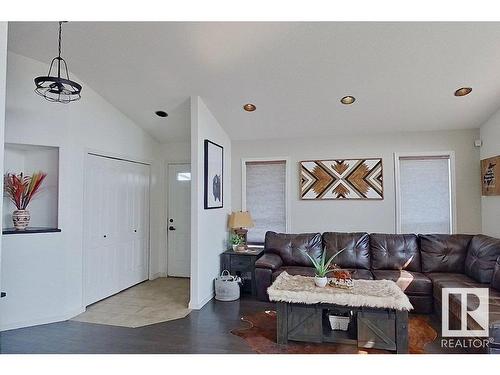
[35, 322]
[203, 302]
[157, 275]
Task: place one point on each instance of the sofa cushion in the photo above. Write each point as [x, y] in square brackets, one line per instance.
[494, 307]
[269, 260]
[415, 283]
[443, 252]
[291, 247]
[422, 304]
[294, 270]
[451, 280]
[481, 257]
[437, 277]
[356, 247]
[495, 279]
[455, 306]
[395, 252]
[360, 274]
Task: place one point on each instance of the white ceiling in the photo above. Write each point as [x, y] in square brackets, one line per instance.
[402, 74]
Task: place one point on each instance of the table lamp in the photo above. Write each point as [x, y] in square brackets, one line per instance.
[239, 222]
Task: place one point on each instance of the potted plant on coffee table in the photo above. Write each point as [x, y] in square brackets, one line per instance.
[322, 267]
[21, 189]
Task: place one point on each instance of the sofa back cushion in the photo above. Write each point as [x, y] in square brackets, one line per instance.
[444, 252]
[495, 279]
[356, 245]
[395, 252]
[481, 257]
[291, 247]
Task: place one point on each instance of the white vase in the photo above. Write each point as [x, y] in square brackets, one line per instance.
[21, 219]
[320, 281]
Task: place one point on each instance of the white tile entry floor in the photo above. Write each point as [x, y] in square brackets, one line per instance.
[147, 303]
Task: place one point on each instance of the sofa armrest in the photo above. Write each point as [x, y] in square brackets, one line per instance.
[270, 261]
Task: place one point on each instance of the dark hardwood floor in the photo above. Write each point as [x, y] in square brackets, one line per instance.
[203, 331]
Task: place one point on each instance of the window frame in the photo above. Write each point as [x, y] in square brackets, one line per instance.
[244, 162]
[452, 184]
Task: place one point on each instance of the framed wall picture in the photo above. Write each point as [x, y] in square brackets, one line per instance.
[490, 176]
[214, 175]
[341, 179]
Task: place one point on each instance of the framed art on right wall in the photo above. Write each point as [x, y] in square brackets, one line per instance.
[490, 175]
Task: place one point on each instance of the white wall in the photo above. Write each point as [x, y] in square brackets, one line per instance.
[208, 227]
[370, 216]
[490, 135]
[42, 273]
[3, 74]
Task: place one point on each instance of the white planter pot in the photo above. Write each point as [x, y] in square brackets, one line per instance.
[21, 219]
[320, 281]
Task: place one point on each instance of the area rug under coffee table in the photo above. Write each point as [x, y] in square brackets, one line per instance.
[261, 337]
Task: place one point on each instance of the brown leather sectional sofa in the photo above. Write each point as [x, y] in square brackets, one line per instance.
[420, 264]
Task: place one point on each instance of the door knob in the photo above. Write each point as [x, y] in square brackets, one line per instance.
[171, 228]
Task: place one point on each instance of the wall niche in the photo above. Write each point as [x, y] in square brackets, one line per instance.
[44, 208]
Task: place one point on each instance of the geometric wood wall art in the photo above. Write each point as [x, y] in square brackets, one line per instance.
[341, 179]
[490, 176]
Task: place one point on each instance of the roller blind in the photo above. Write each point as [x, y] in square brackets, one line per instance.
[265, 198]
[425, 194]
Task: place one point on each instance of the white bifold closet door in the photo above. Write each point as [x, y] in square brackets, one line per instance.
[116, 222]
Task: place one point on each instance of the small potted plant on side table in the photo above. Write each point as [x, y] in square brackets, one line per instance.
[322, 268]
[237, 242]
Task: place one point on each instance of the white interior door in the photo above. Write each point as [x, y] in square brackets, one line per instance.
[179, 222]
[116, 221]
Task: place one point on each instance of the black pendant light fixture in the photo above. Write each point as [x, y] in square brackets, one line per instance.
[58, 88]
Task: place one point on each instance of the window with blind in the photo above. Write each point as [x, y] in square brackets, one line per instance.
[265, 193]
[425, 196]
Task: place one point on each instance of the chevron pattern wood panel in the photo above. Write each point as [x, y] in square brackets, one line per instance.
[341, 179]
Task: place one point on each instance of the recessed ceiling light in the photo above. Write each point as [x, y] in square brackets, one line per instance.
[463, 91]
[249, 107]
[348, 99]
[161, 113]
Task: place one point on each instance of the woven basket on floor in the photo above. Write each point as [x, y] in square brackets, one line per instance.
[227, 287]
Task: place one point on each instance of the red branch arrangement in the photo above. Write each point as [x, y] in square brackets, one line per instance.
[22, 189]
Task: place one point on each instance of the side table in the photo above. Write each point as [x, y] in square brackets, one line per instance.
[243, 265]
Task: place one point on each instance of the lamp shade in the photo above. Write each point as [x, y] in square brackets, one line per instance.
[240, 220]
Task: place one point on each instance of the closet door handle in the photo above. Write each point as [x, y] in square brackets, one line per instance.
[3, 294]
[105, 236]
[171, 228]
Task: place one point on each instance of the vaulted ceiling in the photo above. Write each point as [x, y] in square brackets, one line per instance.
[403, 75]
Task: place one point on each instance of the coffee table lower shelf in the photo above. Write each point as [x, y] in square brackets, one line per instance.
[385, 329]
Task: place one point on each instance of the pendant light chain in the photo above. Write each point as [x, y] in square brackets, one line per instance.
[59, 55]
[60, 37]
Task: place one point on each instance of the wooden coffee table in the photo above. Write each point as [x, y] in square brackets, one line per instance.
[369, 327]
[378, 312]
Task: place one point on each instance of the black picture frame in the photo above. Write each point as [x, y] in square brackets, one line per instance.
[215, 152]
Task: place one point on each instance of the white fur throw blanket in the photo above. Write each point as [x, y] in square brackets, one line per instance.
[365, 293]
